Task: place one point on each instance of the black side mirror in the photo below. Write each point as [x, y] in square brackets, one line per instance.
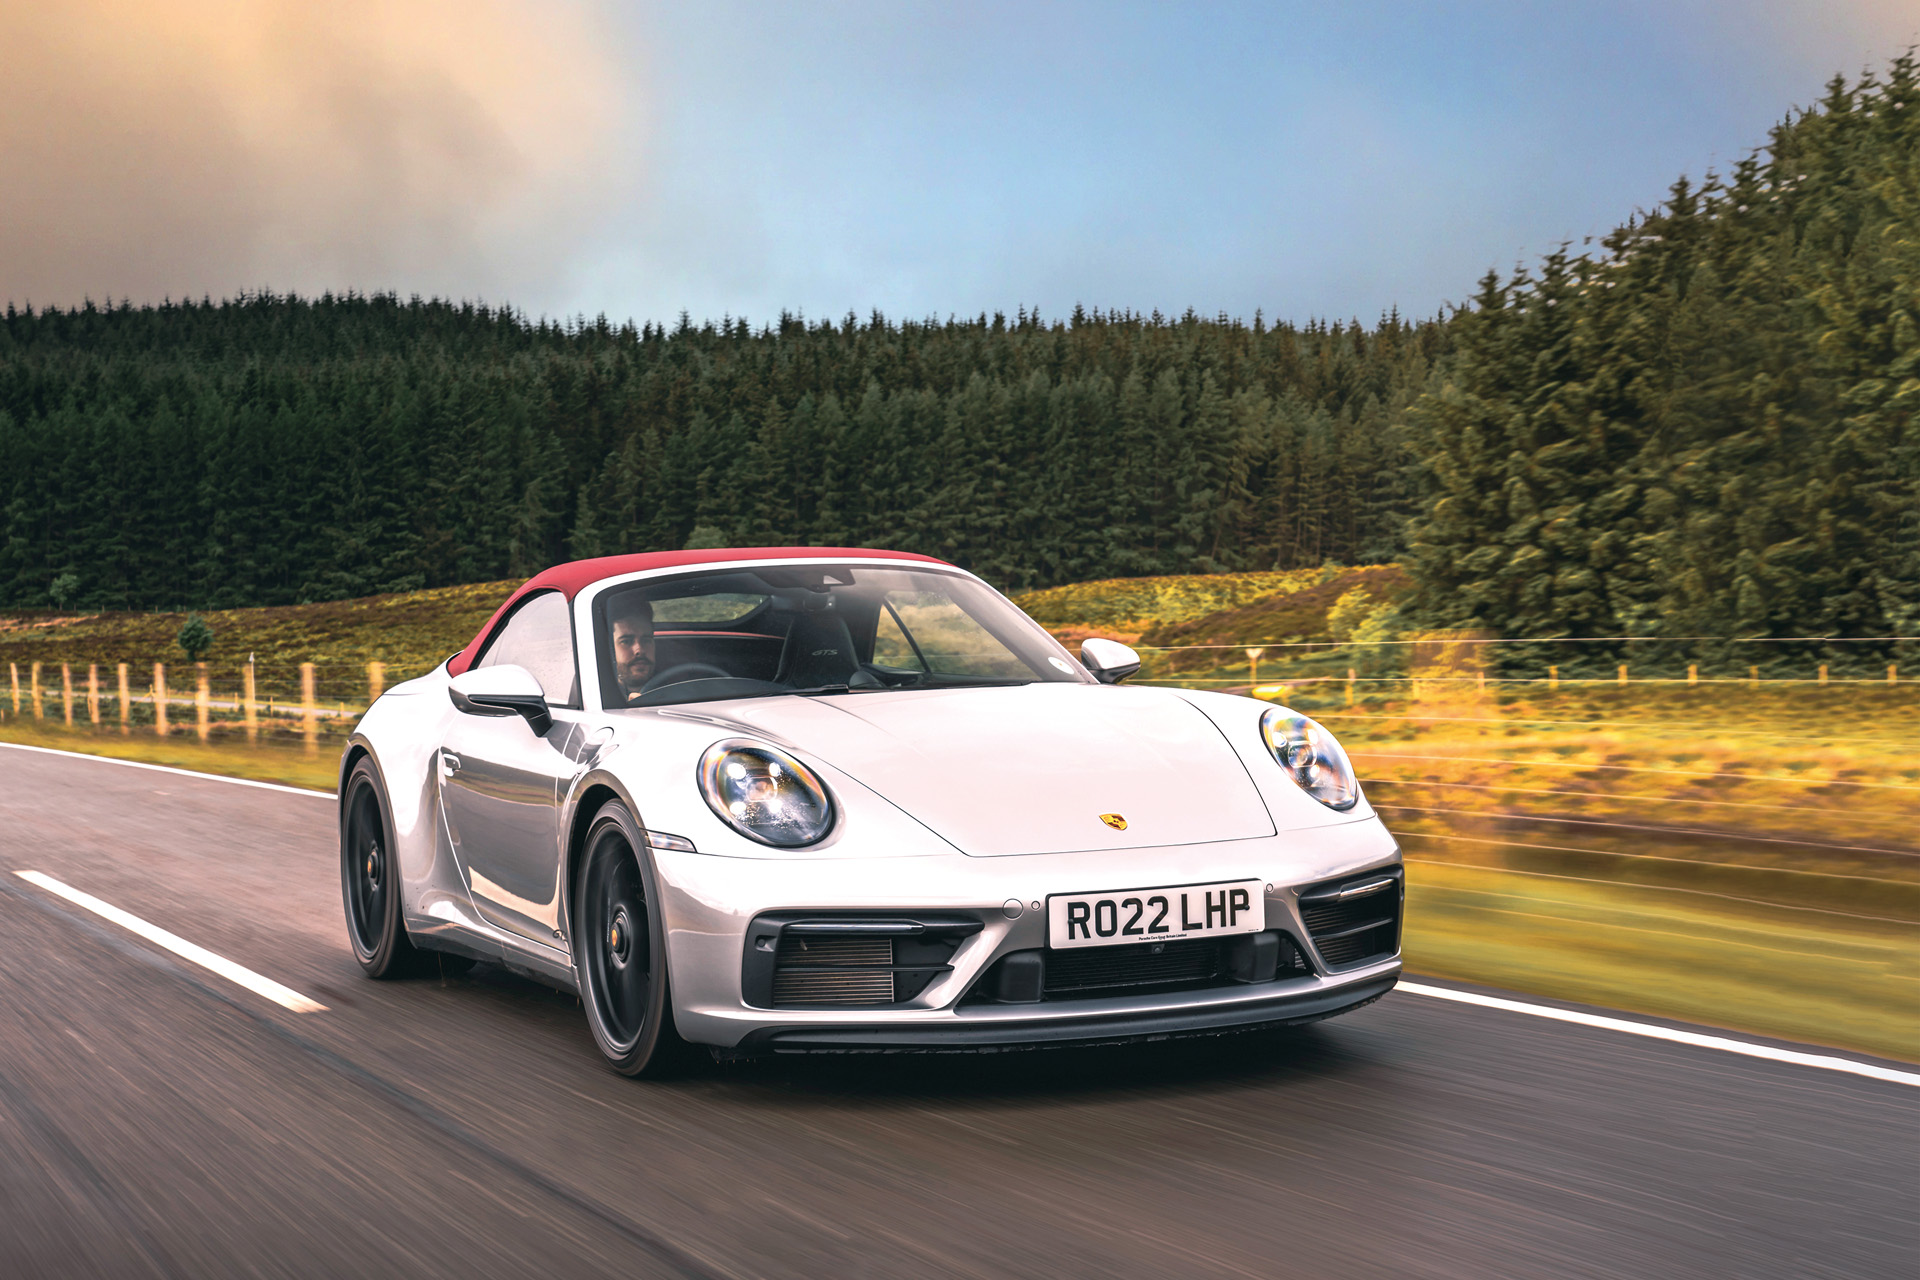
[505, 690]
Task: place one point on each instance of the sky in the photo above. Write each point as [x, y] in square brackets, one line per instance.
[639, 159]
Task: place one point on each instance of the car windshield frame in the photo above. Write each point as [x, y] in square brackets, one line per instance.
[794, 643]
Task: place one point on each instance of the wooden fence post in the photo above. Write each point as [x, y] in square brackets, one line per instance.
[1623, 673]
[200, 708]
[1893, 673]
[93, 693]
[66, 693]
[1823, 673]
[13, 669]
[252, 705]
[126, 702]
[37, 712]
[1350, 681]
[309, 713]
[376, 681]
[1753, 675]
[1553, 677]
[1693, 673]
[160, 698]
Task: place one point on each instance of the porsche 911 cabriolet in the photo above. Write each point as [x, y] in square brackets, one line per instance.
[788, 800]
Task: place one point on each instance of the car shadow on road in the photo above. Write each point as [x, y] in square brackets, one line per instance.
[1343, 1048]
[1294, 1055]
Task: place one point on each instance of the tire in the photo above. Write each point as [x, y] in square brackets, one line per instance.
[620, 950]
[370, 879]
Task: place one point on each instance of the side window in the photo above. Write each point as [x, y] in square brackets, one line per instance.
[539, 637]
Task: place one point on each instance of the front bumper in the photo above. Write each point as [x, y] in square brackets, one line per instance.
[708, 903]
[1042, 1026]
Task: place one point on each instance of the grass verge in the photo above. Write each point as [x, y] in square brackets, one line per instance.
[289, 765]
[1831, 979]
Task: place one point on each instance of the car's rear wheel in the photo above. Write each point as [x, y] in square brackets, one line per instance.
[370, 879]
[620, 949]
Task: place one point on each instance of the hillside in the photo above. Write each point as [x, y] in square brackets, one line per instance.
[1296, 614]
[410, 632]
[1124, 608]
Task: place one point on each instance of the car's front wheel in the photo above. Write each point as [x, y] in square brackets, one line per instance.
[370, 879]
[620, 949]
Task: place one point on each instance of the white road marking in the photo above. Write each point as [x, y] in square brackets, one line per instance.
[284, 996]
[163, 768]
[1825, 1062]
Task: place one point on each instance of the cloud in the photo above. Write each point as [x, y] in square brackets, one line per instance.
[182, 147]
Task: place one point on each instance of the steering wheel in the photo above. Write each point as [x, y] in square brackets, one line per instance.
[685, 671]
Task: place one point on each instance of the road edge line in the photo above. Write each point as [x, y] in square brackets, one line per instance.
[1653, 1031]
[284, 996]
[167, 768]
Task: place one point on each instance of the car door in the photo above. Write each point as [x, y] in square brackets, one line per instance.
[501, 783]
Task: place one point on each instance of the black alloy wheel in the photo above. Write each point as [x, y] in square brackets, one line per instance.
[370, 879]
[619, 949]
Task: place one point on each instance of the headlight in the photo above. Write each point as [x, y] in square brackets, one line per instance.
[1311, 757]
[765, 794]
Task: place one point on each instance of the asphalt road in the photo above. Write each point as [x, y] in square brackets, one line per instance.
[157, 1120]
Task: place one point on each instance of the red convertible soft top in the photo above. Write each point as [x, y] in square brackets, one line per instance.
[577, 575]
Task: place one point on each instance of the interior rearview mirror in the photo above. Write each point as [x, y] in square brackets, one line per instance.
[505, 690]
[1109, 660]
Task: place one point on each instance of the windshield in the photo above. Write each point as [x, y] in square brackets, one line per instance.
[755, 633]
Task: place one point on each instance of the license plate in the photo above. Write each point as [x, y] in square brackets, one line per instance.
[1155, 915]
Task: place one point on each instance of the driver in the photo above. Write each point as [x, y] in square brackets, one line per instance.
[633, 656]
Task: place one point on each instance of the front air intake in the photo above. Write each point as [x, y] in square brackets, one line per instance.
[833, 971]
[811, 960]
[1139, 969]
[1091, 971]
[1355, 920]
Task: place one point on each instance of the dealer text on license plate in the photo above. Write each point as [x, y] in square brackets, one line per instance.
[1155, 915]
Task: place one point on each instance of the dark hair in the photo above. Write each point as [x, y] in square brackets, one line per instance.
[628, 605]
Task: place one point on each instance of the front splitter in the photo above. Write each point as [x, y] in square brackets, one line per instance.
[1003, 1035]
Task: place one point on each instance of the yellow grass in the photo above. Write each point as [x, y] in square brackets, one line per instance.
[1129, 606]
[279, 761]
[1829, 979]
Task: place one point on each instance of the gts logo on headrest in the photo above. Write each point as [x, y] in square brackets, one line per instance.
[825, 653]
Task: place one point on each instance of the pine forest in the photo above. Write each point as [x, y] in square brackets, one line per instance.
[1704, 426]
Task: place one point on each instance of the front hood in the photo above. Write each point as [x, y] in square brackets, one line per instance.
[1031, 768]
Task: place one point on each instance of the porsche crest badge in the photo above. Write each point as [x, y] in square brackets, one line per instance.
[1114, 820]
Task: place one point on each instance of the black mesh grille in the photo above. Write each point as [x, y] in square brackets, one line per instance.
[1293, 961]
[1089, 971]
[1141, 968]
[817, 959]
[841, 971]
[1360, 928]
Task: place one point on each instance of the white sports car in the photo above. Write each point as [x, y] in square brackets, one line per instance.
[805, 799]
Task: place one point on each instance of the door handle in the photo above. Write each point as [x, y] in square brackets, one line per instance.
[449, 763]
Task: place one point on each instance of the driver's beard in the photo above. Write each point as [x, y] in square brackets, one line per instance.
[635, 674]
